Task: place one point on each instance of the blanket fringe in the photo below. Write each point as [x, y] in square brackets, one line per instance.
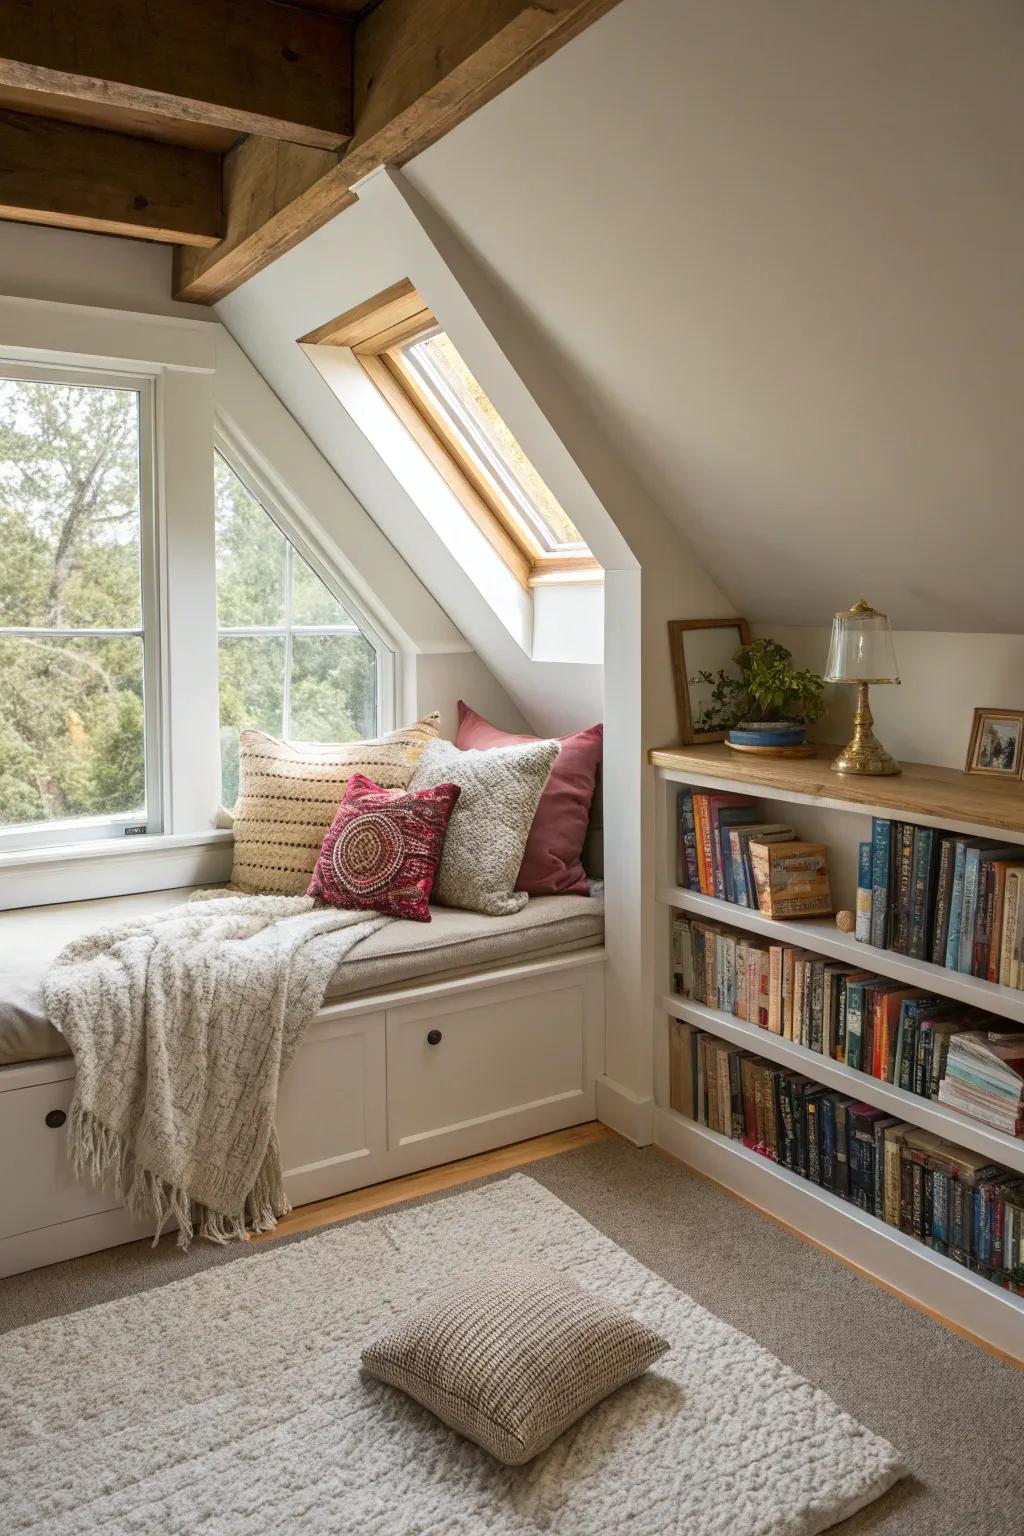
[100, 1154]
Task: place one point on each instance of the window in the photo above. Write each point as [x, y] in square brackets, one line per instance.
[78, 654]
[417, 368]
[293, 660]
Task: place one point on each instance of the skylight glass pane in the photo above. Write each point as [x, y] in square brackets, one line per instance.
[481, 430]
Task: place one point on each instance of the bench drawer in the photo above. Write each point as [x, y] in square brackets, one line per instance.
[38, 1188]
[518, 1058]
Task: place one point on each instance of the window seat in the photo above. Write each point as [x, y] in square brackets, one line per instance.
[452, 944]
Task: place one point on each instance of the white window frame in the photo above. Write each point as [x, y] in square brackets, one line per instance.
[32, 835]
[275, 504]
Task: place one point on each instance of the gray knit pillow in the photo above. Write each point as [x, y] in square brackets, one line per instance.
[488, 828]
[513, 1355]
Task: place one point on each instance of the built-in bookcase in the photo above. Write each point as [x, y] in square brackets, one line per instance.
[837, 811]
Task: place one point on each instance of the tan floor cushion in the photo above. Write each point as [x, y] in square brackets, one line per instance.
[400, 954]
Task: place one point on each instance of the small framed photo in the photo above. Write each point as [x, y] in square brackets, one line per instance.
[701, 648]
[997, 743]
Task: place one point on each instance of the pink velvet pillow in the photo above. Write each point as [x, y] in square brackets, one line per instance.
[551, 864]
[383, 848]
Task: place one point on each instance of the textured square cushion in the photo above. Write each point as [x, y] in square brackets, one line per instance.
[511, 1357]
[552, 859]
[383, 848]
[288, 795]
[489, 825]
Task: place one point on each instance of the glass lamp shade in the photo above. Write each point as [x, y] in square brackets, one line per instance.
[861, 650]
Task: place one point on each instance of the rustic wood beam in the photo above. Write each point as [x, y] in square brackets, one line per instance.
[253, 66]
[421, 67]
[87, 178]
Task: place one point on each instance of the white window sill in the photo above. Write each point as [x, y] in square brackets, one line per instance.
[116, 866]
[113, 848]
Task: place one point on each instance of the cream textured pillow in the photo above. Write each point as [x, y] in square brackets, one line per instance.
[488, 828]
[512, 1356]
[287, 797]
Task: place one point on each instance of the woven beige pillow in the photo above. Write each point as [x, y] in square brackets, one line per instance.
[287, 797]
[512, 1356]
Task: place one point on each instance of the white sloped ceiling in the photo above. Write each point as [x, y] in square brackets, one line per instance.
[779, 250]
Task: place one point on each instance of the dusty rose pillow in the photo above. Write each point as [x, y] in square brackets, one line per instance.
[383, 848]
[551, 864]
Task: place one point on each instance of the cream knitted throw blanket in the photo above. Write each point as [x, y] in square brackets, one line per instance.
[182, 1027]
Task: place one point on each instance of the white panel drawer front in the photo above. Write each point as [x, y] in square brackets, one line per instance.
[37, 1187]
[331, 1105]
[456, 1064]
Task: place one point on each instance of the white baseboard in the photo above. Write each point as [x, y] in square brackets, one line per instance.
[629, 1113]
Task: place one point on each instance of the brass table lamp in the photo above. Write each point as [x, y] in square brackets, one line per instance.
[862, 652]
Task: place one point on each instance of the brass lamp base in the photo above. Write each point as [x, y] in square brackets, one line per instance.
[865, 753]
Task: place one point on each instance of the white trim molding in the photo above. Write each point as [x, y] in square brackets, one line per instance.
[114, 867]
[629, 1113]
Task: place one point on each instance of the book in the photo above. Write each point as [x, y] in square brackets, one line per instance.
[723, 819]
[922, 892]
[1008, 966]
[862, 930]
[860, 1125]
[855, 985]
[680, 1080]
[788, 985]
[881, 838]
[984, 1078]
[841, 1175]
[775, 989]
[1000, 871]
[956, 904]
[903, 857]
[687, 870]
[892, 1143]
[886, 1020]
[707, 810]
[791, 878]
[976, 858]
[943, 894]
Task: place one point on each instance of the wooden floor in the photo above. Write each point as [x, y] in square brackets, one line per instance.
[324, 1212]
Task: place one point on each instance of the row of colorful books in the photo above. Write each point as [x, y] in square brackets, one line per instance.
[951, 1199]
[726, 849]
[921, 1042]
[933, 895]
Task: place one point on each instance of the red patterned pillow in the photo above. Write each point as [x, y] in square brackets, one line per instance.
[383, 849]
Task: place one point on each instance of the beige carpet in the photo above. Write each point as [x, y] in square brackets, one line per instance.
[957, 1415]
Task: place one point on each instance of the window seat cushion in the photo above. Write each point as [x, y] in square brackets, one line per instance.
[453, 943]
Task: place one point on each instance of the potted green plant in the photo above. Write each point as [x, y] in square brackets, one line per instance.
[766, 703]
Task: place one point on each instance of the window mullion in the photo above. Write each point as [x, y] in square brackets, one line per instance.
[286, 711]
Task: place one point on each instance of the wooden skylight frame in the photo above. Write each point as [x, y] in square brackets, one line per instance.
[376, 331]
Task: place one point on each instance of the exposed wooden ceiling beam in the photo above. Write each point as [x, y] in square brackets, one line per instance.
[421, 67]
[254, 66]
[86, 178]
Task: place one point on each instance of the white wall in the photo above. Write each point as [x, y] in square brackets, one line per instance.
[777, 249]
[67, 266]
[943, 677]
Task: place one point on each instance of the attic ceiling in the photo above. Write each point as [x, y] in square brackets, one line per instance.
[231, 129]
[789, 289]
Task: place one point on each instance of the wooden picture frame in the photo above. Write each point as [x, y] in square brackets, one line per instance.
[989, 746]
[677, 629]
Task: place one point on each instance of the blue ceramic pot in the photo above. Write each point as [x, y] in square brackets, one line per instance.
[773, 733]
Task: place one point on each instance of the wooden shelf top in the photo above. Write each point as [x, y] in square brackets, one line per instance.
[937, 795]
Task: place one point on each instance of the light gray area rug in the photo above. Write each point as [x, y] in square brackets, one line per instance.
[231, 1403]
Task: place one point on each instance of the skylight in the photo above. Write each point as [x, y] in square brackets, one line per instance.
[455, 393]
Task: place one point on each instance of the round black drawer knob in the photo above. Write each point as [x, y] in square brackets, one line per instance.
[434, 1037]
[55, 1119]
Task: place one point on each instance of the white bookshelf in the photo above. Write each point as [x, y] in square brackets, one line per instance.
[961, 805]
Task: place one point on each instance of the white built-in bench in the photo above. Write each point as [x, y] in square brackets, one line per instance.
[436, 1041]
